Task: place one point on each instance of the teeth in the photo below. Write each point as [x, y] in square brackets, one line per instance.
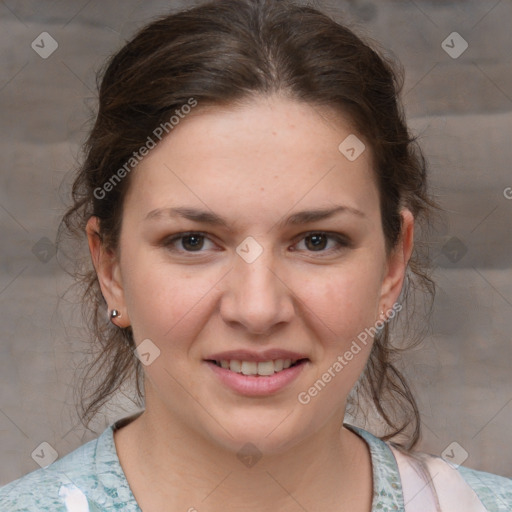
[235, 366]
[249, 367]
[263, 368]
[266, 368]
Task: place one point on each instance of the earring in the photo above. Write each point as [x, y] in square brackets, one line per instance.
[114, 314]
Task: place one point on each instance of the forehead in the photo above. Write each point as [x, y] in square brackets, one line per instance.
[268, 152]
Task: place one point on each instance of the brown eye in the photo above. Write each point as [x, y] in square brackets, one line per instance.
[190, 242]
[319, 242]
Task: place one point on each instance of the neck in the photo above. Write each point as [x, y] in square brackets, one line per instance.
[330, 467]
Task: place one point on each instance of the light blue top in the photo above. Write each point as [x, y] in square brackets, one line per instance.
[90, 479]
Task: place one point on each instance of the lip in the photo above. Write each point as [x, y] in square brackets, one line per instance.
[254, 385]
[246, 355]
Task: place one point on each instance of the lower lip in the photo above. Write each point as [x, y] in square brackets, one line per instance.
[256, 385]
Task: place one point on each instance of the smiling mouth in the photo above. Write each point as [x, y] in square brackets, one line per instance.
[263, 368]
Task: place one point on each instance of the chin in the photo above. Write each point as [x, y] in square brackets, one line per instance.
[255, 435]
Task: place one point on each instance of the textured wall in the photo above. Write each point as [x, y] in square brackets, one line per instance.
[460, 105]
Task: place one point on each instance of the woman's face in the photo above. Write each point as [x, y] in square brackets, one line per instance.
[256, 273]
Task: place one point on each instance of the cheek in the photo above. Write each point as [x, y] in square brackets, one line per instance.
[163, 300]
[346, 304]
[344, 299]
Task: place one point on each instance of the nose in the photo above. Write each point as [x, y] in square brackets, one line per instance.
[256, 296]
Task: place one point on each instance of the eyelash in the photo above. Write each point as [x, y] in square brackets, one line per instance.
[342, 241]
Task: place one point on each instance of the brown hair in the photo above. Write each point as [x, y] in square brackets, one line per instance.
[220, 53]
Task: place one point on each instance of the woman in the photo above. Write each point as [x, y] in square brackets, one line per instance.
[249, 195]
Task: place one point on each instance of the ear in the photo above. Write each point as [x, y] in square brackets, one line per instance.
[108, 272]
[397, 263]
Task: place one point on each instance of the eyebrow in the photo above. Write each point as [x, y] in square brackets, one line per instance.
[206, 217]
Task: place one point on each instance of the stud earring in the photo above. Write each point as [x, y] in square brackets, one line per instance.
[114, 314]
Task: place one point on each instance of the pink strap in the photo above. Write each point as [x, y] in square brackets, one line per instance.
[452, 493]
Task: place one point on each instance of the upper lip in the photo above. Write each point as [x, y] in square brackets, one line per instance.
[246, 355]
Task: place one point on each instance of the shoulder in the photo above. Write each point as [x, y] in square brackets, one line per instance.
[494, 491]
[455, 487]
[408, 477]
[70, 483]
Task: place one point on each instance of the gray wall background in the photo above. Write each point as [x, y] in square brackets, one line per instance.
[461, 108]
